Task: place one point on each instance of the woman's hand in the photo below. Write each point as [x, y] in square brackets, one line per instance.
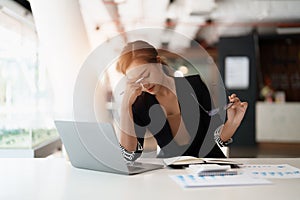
[132, 91]
[235, 115]
[236, 112]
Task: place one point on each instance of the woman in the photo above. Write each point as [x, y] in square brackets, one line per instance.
[173, 109]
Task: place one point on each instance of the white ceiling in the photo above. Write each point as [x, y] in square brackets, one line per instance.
[106, 18]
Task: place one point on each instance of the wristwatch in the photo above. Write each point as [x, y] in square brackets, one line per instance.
[223, 144]
[217, 137]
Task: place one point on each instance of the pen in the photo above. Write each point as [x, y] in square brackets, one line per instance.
[137, 81]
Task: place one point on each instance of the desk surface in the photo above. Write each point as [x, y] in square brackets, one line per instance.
[55, 178]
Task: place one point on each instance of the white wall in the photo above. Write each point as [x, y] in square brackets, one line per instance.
[278, 122]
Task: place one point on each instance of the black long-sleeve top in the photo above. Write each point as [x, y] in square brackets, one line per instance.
[147, 114]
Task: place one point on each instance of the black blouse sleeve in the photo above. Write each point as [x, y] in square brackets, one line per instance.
[208, 123]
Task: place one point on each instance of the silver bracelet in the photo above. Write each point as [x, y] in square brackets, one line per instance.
[217, 137]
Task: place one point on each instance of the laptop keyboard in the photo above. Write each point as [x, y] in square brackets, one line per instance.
[133, 168]
[137, 166]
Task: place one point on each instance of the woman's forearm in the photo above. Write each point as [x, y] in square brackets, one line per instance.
[128, 142]
[228, 131]
[127, 137]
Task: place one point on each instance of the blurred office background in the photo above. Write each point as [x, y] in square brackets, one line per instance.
[43, 44]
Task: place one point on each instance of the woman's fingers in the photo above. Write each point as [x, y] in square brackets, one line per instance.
[233, 98]
[244, 105]
[232, 95]
[133, 88]
[237, 102]
[240, 105]
[132, 91]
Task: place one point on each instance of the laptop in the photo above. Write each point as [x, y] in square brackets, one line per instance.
[94, 146]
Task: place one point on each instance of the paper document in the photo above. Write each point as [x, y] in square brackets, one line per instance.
[271, 171]
[191, 180]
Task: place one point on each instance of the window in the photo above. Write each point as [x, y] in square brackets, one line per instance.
[25, 94]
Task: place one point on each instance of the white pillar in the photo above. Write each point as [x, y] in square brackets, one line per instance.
[64, 46]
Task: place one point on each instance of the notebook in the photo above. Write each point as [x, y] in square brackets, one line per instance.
[180, 162]
[94, 146]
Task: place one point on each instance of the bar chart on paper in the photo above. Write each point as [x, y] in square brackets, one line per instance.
[271, 171]
[192, 180]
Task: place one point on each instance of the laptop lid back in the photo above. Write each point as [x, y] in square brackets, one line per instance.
[92, 145]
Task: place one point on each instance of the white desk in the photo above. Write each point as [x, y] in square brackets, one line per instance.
[55, 178]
